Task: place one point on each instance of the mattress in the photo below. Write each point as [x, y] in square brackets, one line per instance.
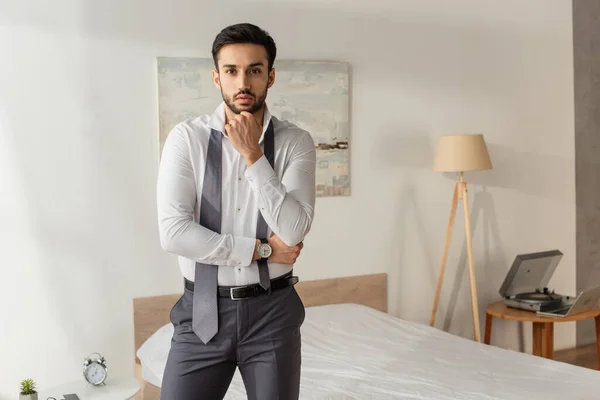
[351, 351]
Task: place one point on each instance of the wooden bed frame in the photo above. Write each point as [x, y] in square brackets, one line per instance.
[151, 313]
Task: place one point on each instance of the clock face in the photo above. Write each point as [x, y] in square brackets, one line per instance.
[95, 373]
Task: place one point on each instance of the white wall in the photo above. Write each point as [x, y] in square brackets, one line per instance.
[78, 158]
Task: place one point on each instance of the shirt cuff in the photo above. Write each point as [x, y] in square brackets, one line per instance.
[242, 252]
[259, 172]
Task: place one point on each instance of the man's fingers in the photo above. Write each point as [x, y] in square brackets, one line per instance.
[245, 115]
[242, 117]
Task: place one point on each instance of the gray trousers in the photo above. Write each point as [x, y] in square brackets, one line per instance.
[260, 335]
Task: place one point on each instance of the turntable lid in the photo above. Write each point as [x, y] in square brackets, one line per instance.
[530, 272]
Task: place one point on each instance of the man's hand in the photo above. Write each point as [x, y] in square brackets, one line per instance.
[244, 133]
[282, 253]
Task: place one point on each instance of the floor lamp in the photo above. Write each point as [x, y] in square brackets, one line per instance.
[460, 153]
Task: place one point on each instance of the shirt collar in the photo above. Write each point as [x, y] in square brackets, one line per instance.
[217, 120]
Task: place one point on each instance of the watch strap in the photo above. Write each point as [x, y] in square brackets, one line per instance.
[263, 241]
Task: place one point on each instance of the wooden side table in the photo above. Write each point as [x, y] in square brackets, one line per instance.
[543, 327]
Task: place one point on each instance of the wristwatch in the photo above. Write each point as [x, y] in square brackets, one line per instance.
[264, 249]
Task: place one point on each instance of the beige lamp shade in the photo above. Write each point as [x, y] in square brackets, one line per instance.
[458, 153]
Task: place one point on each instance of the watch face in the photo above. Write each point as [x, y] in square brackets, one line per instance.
[264, 250]
[95, 373]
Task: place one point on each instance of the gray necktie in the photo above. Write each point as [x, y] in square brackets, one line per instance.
[261, 226]
[205, 319]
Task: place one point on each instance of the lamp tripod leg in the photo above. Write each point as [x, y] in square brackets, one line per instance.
[445, 254]
[471, 262]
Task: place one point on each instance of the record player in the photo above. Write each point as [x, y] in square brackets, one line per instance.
[525, 285]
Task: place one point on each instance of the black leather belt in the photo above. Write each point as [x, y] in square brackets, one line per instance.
[243, 292]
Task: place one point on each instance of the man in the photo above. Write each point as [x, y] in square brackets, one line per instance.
[236, 194]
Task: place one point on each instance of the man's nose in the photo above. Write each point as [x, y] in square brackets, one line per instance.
[243, 82]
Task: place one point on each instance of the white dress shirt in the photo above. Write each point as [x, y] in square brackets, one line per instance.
[285, 197]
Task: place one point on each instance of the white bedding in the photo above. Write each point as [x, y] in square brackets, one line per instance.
[351, 351]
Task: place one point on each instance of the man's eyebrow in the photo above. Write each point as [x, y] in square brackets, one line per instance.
[256, 64]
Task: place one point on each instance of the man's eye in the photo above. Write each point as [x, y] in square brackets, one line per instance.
[229, 71]
[255, 71]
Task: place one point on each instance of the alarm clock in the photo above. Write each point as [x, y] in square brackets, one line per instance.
[94, 369]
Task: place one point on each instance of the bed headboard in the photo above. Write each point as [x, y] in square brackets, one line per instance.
[151, 313]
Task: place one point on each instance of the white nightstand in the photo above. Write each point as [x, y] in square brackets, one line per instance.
[116, 388]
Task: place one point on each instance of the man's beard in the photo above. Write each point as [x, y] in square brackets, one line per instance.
[258, 103]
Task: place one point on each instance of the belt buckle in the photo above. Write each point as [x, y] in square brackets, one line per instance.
[232, 296]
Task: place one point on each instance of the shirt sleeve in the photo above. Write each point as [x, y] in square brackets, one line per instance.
[176, 199]
[287, 205]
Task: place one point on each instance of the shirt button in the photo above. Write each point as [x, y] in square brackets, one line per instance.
[239, 179]
[238, 209]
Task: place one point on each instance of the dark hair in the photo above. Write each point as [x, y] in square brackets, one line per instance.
[244, 33]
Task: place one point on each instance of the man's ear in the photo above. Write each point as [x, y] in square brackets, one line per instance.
[216, 79]
[271, 80]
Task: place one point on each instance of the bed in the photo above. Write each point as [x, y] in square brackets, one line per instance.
[353, 349]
